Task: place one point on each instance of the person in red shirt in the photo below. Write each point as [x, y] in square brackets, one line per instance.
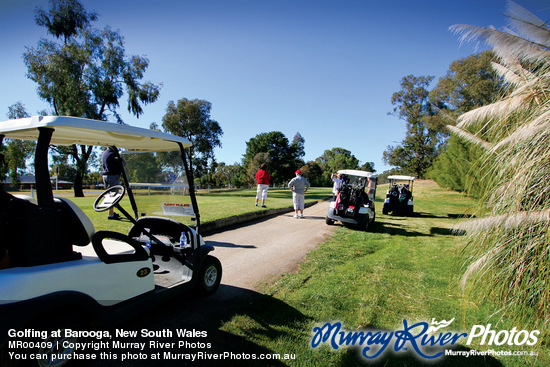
[262, 178]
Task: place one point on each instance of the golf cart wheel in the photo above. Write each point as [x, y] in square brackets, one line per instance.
[329, 221]
[210, 276]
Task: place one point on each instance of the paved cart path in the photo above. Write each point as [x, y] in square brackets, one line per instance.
[251, 254]
[259, 251]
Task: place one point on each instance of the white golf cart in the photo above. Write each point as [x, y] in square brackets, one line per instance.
[399, 200]
[57, 271]
[354, 203]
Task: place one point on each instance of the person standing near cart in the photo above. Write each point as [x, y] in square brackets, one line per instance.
[112, 169]
[263, 178]
[337, 178]
[299, 186]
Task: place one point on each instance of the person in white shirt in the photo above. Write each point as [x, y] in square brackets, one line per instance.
[299, 186]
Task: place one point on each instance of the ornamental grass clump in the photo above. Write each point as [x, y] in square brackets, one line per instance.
[508, 244]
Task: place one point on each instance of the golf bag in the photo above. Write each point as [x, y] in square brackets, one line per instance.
[404, 197]
[393, 195]
[350, 199]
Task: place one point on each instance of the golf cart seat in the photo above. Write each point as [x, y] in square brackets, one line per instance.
[82, 229]
[32, 235]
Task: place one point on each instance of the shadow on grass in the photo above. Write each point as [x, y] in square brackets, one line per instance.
[428, 215]
[395, 229]
[252, 316]
[201, 319]
[445, 231]
[461, 216]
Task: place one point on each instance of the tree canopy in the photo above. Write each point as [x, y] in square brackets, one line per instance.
[15, 152]
[191, 119]
[87, 74]
[65, 18]
[420, 146]
[274, 149]
[470, 83]
[334, 160]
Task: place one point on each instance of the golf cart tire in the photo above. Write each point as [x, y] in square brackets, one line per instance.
[329, 221]
[210, 276]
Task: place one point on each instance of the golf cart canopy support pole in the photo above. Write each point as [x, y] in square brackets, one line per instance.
[126, 183]
[190, 180]
[2, 158]
[43, 184]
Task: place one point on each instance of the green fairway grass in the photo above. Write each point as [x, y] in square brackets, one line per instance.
[403, 268]
[212, 206]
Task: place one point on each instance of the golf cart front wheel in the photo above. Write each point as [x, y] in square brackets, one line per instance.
[210, 276]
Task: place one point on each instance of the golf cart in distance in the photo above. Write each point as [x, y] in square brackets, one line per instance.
[399, 200]
[354, 203]
[54, 266]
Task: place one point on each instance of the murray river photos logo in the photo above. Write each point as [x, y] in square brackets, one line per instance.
[426, 340]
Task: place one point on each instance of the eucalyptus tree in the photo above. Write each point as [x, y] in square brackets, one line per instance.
[16, 152]
[87, 73]
[508, 248]
[415, 154]
[191, 119]
[65, 18]
[273, 148]
[333, 160]
[469, 83]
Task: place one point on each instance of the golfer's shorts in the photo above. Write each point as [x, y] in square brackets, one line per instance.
[261, 191]
[298, 200]
[111, 180]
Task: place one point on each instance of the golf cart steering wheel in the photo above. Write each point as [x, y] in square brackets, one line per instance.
[109, 198]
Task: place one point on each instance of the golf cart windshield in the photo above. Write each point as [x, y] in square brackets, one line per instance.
[63, 130]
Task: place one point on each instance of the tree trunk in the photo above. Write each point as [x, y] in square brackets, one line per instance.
[77, 188]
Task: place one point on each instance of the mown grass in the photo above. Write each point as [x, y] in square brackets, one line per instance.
[403, 268]
[212, 206]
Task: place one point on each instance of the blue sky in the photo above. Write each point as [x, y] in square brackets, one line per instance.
[326, 69]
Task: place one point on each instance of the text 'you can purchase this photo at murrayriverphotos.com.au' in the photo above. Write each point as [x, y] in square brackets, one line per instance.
[122, 345]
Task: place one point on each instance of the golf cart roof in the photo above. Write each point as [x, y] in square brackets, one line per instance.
[355, 172]
[399, 177]
[76, 130]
